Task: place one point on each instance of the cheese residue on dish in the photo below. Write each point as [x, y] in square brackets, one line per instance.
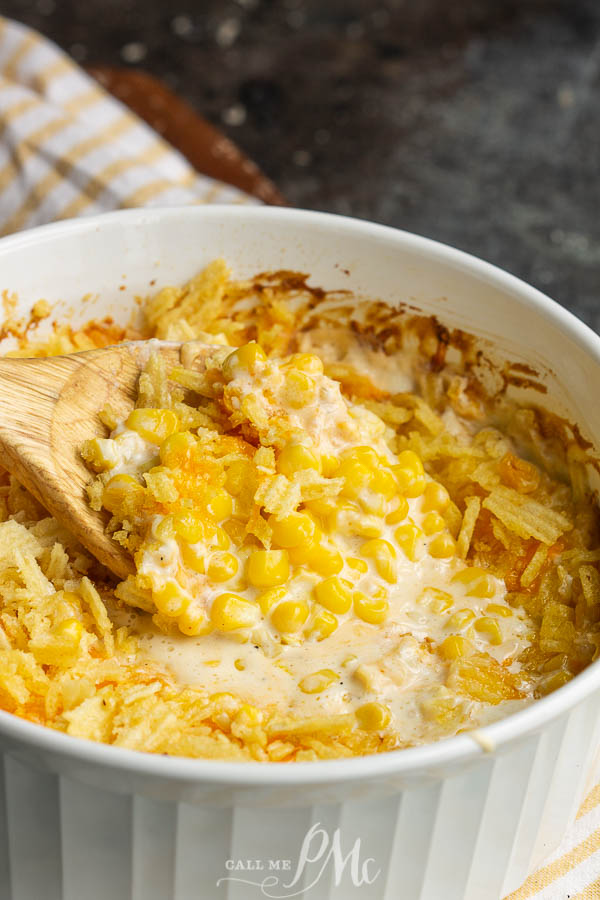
[290, 557]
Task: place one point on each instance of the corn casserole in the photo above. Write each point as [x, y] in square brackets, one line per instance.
[343, 544]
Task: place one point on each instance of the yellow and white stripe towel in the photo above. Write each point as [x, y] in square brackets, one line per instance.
[572, 872]
[69, 149]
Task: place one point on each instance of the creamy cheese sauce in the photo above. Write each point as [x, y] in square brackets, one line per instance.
[129, 451]
[393, 663]
[388, 667]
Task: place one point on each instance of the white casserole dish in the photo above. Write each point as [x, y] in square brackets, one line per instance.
[83, 821]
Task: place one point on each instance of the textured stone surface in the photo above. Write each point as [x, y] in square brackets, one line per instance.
[475, 122]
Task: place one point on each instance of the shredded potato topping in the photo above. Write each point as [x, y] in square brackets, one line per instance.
[361, 550]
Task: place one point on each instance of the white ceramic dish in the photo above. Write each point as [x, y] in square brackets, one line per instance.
[81, 821]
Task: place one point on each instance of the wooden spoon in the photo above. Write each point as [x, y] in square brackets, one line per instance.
[48, 408]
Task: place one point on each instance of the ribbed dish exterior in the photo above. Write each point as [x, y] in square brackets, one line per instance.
[461, 835]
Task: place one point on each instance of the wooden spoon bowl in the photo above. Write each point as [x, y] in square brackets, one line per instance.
[49, 407]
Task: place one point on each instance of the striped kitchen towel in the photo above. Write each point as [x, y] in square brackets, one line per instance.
[572, 872]
[69, 149]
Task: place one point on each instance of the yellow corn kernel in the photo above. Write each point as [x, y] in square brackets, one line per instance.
[320, 507]
[325, 560]
[403, 476]
[335, 594]
[121, 491]
[229, 612]
[371, 609]
[359, 565]
[300, 389]
[356, 477]
[222, 566]
[377, 547]
[239, 664]
[400, 511]
[372, 503]
[300, 555]
[165, 529]
[384, 556]
[469, 574]
[101, 454]
[190, 526]
[496, 609]
[362, 454]
[322, 623]
[329, 465]
[415, 488]
[408, 537]
[269, 598]
[484, 587]
[435, 497]
[220, 505]
[292, 531]
[433, 523]
[318, 681]
[193, 557]
[409, 474]
[70, 630]
[247, 723]
[176, 449]
[373, 716]
[239, 474]
[436, 600]
[383, 482]
[490, 627]
[454, 646]
[194, 622]
[408, 459]
[289, 616]
[268, 568]
[348, 519]
[461, 619]
[220, 539]
[170, 600]
[294, 457]
[443, 546]
[306, 362]
[245, 358]
[154, 425]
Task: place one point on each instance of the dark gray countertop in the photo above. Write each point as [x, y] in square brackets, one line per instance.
[475, 122]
